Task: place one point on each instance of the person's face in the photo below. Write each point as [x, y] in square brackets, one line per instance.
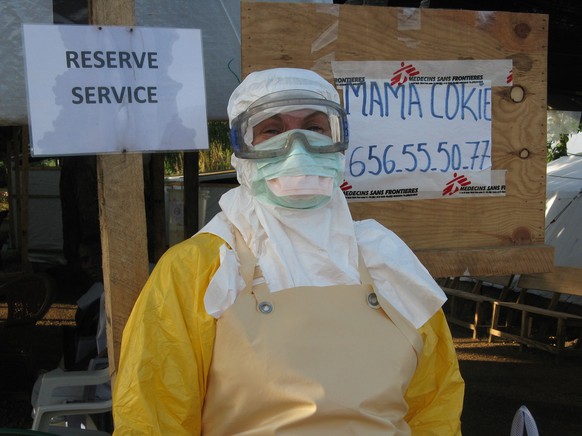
[304, 119]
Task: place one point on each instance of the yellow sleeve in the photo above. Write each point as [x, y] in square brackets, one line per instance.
[167, 345]
[435, 395]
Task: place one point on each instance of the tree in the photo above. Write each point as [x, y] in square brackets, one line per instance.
[557, 142]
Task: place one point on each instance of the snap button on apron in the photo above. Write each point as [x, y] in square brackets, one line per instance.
[265, 307]
[373, 300]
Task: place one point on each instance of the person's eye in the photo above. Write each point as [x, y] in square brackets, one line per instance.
[271, 131]
[272, 126]
[322, 129]
[316, 128]
[318, 123]
[267, 130]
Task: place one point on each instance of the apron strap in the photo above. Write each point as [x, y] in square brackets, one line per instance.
[250, 270]
[405, 326]
[247, 260]
[255, 284]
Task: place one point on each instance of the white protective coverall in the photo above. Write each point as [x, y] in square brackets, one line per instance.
[168, 349]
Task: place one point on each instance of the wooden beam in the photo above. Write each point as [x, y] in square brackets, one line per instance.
[487, 261]
[25, 199]
[191, 187]
[122, 212]
[123, 240]
[562, 279]
[158, 206]
[13, 181]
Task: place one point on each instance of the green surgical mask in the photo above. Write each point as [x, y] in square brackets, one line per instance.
[298, 162]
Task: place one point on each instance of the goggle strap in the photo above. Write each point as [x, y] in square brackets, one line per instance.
[234, 139]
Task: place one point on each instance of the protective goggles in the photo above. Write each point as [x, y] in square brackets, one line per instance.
[321, 125]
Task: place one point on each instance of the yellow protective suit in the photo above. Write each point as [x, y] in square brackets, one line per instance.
[168, 343]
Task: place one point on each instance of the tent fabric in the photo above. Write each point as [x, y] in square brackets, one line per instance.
[13, 13]
[564, 210]
[219, 22]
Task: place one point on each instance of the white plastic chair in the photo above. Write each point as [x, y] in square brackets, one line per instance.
[63, 401]
[65, 394]
[524, 423]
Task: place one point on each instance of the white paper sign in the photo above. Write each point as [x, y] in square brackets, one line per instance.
[96, 89]
[419, 130]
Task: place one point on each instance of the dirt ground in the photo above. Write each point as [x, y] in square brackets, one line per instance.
[499, 379]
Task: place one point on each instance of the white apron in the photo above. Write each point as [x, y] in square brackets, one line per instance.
[309, 360]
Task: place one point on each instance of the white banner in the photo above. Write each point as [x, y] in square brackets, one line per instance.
[95, 89]
[420, 130]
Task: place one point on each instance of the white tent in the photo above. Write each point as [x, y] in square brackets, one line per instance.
[219, 21]
[564, 210]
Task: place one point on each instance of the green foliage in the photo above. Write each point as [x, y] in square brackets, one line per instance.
[50, 162]
[558, 148]
[4, 200]
[557, 143]
[218, 131]
[215, 159]
[173, 164]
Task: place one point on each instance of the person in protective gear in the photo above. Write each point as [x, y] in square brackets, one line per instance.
[283, 315]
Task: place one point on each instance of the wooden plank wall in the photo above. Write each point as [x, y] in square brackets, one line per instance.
[471, 236]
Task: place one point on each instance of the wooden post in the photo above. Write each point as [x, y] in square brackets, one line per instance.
[159, 206]
[24, 200]
[191, 186]
[17, 163]
[122, 212]
[13, 181]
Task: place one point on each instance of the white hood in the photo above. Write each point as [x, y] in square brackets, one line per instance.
[310, 247]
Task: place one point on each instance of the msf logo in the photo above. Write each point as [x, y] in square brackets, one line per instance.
[455, 184]
[345, 186]
[400, 76]
[509, 79]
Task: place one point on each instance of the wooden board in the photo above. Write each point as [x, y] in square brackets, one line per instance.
[566, 280]
[122, 213]
[503, 235]
[123, 241]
